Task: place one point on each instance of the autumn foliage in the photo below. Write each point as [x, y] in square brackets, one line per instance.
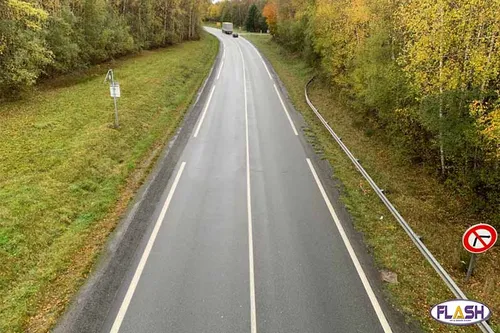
[269, 12]
[424, 71]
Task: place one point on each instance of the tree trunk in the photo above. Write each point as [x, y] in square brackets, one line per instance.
[190, 31]
[165, 17]
[492, 45]
[441, 145]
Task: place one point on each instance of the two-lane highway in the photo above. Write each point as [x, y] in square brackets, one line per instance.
[245, 238]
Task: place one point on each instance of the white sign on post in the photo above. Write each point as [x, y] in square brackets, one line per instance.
[114, 89]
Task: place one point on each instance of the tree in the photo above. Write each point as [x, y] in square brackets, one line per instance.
[269, 12]
[214, 12]
[262, 24]
[334, 40]
[253, 19]
[449, 52]
[427, 71]
[23, 51]
[55, 36]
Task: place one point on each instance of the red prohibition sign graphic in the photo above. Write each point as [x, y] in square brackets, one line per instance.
[479, 238]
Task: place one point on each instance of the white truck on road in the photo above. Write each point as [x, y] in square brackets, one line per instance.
[227, 27]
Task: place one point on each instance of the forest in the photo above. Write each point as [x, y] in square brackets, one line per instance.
[423, 72]
[245, 14]
[43, 38]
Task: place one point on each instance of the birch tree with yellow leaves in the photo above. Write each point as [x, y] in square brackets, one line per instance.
[427, 71]
[449, 48]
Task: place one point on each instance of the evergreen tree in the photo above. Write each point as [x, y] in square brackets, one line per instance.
[253, 19]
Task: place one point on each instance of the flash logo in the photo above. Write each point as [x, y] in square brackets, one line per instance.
[460, 312]
[471, 312]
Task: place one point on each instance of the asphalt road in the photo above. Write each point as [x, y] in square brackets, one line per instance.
[244, 237]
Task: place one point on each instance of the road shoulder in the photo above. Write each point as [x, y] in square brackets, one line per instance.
[91, 305]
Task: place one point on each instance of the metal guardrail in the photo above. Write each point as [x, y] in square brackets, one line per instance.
[416, 240]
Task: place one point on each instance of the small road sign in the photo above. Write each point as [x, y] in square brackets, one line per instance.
[114, 89]
[479, 238]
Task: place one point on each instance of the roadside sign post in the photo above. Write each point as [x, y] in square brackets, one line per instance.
[114, 91]
[478, 239]
[472, 262]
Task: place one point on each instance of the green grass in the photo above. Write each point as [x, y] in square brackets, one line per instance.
[427, 205]
[66, 175]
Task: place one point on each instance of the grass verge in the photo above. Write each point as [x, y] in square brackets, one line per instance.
[432, 211]
[66, 175]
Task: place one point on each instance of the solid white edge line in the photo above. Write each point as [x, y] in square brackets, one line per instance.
[260, 56]
[204, 113]
[275, 88]
[142, 263]
[366, 284]
[286, 111]
[253, 314]
[220, 69]
[265, 66]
